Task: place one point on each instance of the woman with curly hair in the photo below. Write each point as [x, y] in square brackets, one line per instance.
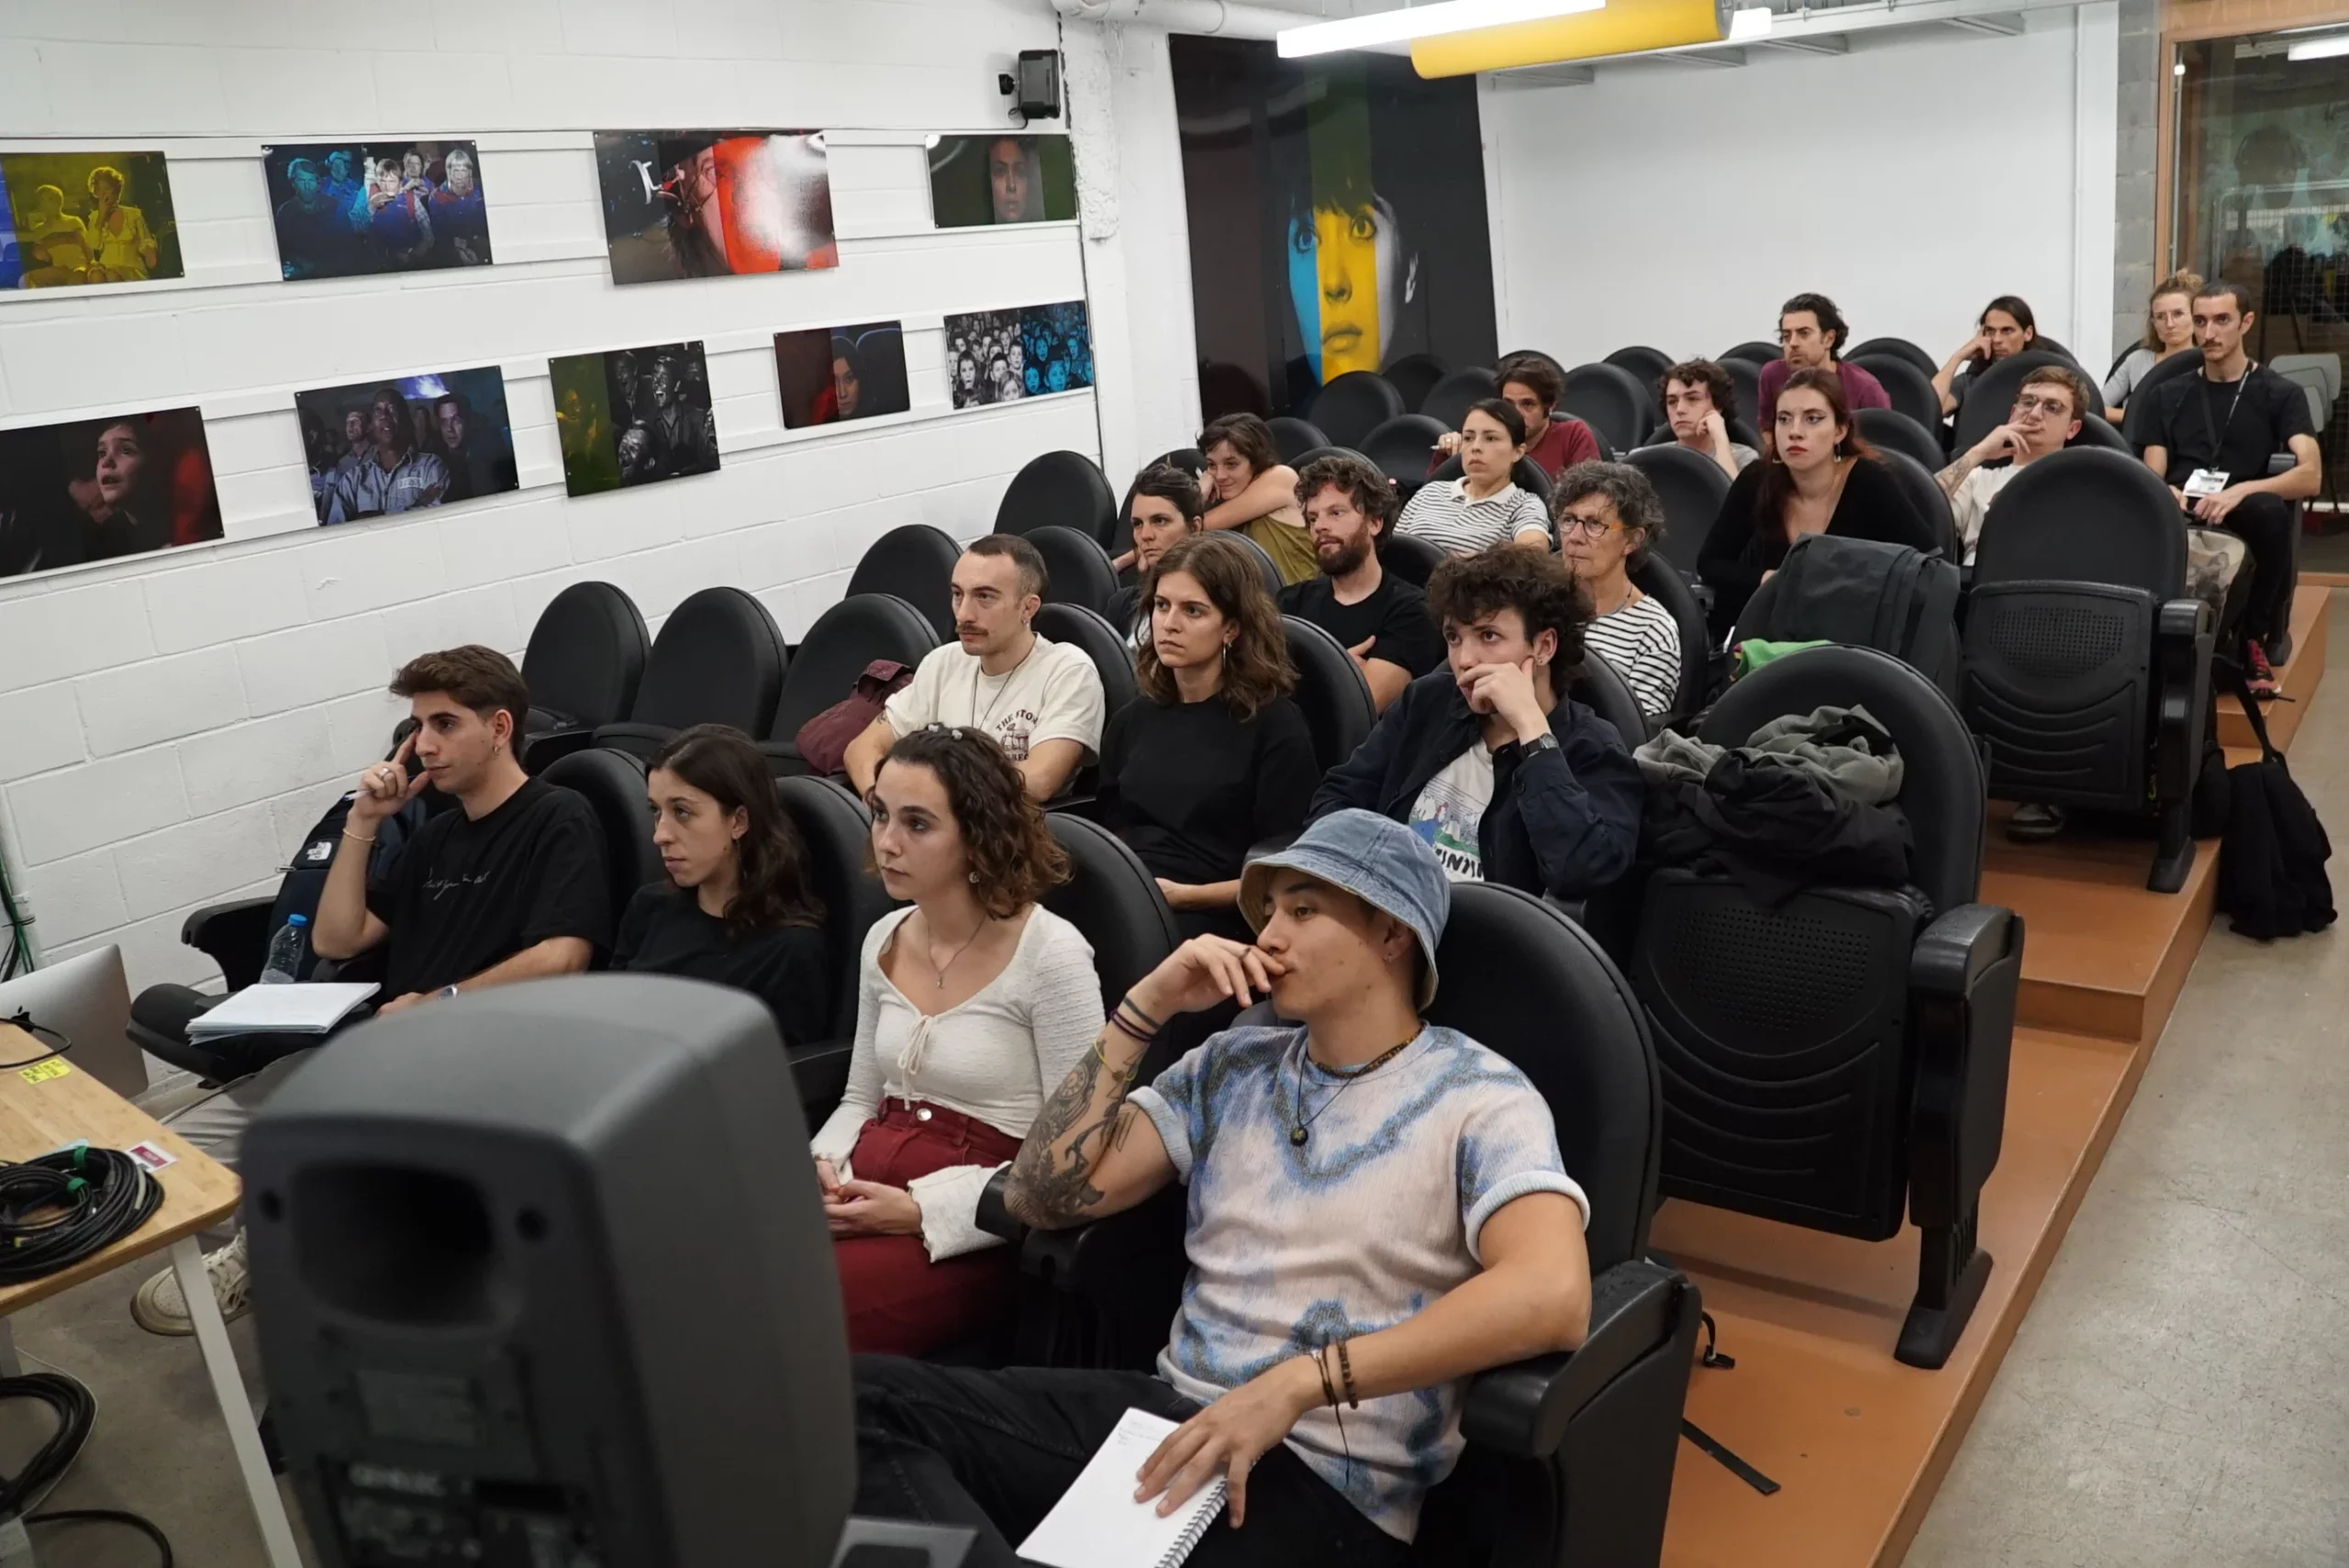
[735, 909]
[973, 1001]
[1212, 757]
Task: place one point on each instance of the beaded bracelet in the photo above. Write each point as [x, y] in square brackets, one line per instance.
[1346, 1374]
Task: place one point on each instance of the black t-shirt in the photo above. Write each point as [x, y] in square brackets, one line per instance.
[1192, 789]
[1742, 546]
[665, 931]
[1396, 614]
[466, 895]
[2193, 425]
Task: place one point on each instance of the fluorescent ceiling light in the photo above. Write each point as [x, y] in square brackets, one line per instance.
[1753, 22]
[1421, 22]
[2319, 48]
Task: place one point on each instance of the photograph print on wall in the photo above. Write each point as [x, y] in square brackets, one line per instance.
[1000, 178]
[409, 443]
[347, 210]
[631, 416]
[77, 218]
[701, 204]
[95, 489]
[1000, 356]
[832, 373]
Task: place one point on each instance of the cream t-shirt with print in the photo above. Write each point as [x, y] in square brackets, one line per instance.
[1053, 693]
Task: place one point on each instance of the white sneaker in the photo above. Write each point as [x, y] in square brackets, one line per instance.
[159, 1309]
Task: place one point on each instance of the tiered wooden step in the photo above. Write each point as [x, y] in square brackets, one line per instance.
[1859, 1442]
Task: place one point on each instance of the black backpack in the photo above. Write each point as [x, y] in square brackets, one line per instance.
[306, 879]
[2271, 860]
[1865, 593]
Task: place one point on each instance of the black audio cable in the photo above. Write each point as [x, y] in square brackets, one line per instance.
[59, 1208]
[77, 1411]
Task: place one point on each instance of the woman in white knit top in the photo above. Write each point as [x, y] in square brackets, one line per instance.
[972, 1005]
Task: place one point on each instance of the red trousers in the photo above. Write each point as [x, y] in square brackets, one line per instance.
[899, 1302]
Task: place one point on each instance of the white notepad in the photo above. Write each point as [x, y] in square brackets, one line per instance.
[1097, 1524]
[283, 1009]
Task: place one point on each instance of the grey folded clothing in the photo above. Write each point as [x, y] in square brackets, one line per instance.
[1850, 752]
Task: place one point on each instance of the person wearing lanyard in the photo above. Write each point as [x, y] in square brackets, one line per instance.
[2216, 431]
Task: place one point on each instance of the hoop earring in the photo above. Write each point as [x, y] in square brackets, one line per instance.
[974, 879]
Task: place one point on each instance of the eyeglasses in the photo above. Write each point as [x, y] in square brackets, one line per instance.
[2054, 407]
[1585, 528]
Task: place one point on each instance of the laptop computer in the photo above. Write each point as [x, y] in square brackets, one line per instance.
[87, 1000]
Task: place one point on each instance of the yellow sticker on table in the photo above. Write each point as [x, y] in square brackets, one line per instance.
[41, 1071]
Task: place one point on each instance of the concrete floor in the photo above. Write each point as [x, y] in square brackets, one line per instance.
[2177, 1395]
[2176, 1399]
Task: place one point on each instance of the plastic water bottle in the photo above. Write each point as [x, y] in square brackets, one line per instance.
[285, 966]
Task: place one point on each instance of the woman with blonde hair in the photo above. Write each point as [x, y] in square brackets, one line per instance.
[2169, 330]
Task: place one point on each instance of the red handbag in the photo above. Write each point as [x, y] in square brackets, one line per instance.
[823, 741]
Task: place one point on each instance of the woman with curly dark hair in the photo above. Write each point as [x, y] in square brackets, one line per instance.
[1212, 757]
[735, 908]
[1509, 779]
[973, 1001]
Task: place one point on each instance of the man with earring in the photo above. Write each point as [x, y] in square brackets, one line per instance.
[507, 886]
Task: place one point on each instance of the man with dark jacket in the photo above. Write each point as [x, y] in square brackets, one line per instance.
[1508, 780]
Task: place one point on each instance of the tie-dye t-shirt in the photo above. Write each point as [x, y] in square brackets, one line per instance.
[1365, 1224]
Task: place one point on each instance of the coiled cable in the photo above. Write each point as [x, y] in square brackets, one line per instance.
[59, 1208]
[77, 1411]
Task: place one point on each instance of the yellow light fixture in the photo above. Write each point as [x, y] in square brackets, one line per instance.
[1624, 26]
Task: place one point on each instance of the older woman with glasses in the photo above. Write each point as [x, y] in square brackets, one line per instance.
[1608, 518]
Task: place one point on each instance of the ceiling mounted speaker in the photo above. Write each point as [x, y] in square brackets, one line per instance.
[1623, 26]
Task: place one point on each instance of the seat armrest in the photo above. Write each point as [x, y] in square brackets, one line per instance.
[548, 747]
[2182, 645]
[995, 1215]
[1139, 1251]
[1523, 1409]
[1960, 947]
[235, 936]
[2281, 463]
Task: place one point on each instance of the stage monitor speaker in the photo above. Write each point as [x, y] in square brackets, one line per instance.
[542, 1277]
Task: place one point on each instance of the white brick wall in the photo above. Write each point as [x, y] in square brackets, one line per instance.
[171, 725]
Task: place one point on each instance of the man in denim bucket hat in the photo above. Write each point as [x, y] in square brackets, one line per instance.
[1376, 1212]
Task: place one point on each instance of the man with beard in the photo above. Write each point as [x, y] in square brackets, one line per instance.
[396, 476]
[1379, 618]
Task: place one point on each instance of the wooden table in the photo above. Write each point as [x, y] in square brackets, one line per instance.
[43, 1108]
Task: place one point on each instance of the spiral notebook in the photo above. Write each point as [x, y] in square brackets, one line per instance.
[1097, 1524]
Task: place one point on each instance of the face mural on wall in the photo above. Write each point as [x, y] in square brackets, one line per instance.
[1337, 217]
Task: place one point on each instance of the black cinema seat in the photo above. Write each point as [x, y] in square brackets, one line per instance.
[1448, 402]
[1615, 404]
[1331, 692]
[916, 562]
[1290, 437]
[1888, 429]
[584, 661]
[844, 640]
[1076, 568]
[1840, 1062]
[1057, 489]
[1404, 448]
[1569, 1457]
[1691, 487]
[836, 831]
[719, 660]
[1353, 404]
[2087, 666]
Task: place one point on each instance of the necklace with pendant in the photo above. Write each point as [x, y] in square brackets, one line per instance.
[1346, 1076]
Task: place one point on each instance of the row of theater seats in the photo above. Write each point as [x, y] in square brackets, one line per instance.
[2076, 653]
[1829, 990]
[1838, 1062]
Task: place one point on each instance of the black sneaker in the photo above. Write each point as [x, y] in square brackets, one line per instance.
[2036, 824]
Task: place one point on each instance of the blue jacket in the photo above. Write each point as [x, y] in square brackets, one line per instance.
[1566, 822]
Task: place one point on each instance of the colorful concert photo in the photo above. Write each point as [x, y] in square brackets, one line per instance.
[701, 204]
[406, 443]
[96, 489]
[345, 209]
[631, 416]
[78, 218]
[827, 374]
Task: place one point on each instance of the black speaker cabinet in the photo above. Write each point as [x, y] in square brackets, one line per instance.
[542, 1277]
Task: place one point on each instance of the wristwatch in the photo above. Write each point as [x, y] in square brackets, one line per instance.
[1544, 742]
[445, 993]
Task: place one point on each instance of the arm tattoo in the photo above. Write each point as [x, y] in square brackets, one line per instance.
[1050, 1189]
